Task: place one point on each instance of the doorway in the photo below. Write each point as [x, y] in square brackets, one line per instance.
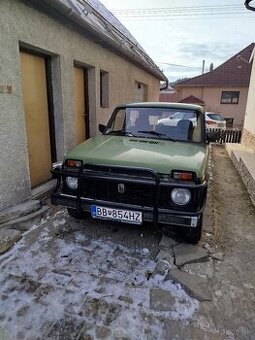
[81, 104]
[38, 116]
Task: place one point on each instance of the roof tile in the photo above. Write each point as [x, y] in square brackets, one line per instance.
[233, 72]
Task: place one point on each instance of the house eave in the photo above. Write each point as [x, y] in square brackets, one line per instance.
[63, 13]
[211, 85]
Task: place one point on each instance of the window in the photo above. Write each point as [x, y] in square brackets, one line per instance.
[141, 92]
[230, 97]
[104, 89]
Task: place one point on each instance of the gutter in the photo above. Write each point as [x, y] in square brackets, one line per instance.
[97, 36]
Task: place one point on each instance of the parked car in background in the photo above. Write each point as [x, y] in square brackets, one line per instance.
[140, 170]
[214, 121]
[175, 117]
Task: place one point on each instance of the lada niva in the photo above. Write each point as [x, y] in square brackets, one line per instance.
[140, 169]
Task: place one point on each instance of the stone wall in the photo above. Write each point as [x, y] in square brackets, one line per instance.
[244, 161]
[248, 139]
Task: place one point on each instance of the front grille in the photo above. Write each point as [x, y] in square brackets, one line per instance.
[101, 183]
[134, 193]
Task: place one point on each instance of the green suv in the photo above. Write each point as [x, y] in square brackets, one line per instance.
[144, 166]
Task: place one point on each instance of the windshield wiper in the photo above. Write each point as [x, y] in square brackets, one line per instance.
[155, 133]
[120, 133]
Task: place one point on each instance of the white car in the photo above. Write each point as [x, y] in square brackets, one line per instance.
[214, 121]
[176, 117]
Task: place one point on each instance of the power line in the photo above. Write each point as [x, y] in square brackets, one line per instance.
[193, 8]
[178, 65]
[167, 12]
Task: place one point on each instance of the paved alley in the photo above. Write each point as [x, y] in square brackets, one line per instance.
[69, 279]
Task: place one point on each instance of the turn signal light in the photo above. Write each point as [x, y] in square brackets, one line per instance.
[210, 122]
[183, 176]
[73, 163]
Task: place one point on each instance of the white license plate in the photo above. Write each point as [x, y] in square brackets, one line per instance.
[121, 215]
[220, 125]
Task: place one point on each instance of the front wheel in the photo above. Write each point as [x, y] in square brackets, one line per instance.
[80, 215]
[193, 235]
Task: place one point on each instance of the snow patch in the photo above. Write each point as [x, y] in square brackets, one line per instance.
[60, 274]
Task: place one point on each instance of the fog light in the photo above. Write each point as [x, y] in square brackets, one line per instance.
[72, 182]
[180, 196]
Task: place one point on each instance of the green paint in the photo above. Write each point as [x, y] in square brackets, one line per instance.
[162, 157]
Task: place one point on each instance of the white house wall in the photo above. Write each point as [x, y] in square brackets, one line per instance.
[249, 123]
[24, 26]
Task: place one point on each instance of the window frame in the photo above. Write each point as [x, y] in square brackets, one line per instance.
[233, 95]
[104, 89]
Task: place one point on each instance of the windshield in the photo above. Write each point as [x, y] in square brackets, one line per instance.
[163, 123]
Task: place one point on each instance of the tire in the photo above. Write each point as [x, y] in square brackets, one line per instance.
[79, 215]
[193, 235]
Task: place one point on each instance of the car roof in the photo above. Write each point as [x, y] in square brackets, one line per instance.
[163, 105]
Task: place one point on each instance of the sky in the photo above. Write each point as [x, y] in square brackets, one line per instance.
[187, 32]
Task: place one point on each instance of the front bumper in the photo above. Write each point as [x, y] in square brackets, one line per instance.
[164, 216]
[151, 212]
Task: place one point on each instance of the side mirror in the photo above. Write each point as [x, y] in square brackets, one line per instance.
[101, 128]
[213, 136]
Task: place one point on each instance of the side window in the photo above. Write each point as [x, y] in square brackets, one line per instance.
[118, 123]
[104, 89]
[141, 92]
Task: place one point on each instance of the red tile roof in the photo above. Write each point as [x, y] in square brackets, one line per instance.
[192, 100]
[233, 72]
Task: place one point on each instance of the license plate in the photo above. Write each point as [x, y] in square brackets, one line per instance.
[121, 215]
[220, 125]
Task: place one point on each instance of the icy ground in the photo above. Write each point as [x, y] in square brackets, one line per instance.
[59, 283]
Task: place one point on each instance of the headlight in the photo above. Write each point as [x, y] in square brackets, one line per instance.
[72, 182]
[180, 196]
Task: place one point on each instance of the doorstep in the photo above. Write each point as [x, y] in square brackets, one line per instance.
[43, 189]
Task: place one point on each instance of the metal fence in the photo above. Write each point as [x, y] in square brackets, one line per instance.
[228, 135]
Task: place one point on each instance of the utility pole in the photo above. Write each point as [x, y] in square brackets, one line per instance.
[203, 67]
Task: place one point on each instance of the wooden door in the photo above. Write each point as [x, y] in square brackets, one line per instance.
[79, 99]
[34, 87]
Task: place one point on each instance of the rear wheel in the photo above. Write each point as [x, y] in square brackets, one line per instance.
[80, 215]
[193, 235]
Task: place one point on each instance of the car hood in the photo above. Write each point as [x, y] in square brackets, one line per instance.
[160, 155]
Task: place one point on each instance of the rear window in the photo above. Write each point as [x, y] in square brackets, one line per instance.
[215, 116]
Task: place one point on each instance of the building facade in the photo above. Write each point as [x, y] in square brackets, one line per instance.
[224, 90]
[64, 67]
[248, 138]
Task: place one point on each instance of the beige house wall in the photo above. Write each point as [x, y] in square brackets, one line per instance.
[249, 123]
[188, 91]
[24, 26]
[212, 97]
